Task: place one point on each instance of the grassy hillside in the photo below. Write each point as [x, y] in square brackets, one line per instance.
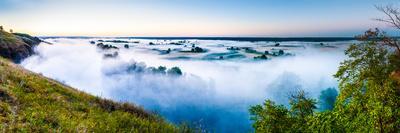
[17, 46]
[29, 102]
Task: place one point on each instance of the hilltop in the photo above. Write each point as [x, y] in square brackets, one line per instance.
[17, 46]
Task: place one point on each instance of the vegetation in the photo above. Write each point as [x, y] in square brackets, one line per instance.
[31, 103]
[327, 99]
[197, 49]
[17, 46]
[261, 57]
[174, 71]
[271, 117]
[126, 46]
[368, 99]
[7, 37]
[106, 46]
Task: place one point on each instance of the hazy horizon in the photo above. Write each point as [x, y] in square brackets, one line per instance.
[194, 18]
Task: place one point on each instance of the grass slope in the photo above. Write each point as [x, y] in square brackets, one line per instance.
[8, 37]
[32, 103]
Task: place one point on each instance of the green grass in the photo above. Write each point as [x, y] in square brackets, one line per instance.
[30, 102]
[7, 37]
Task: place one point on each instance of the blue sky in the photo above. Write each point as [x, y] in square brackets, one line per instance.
[192, 17]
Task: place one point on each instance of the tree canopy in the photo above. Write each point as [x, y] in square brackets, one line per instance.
[369, 97]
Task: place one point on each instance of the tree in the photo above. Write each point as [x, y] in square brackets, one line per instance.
[270, 117]
[1, 28]
[11, 31]
[369, 97]
[327, 99]
[162, 69]
[393, 19]
[301, 107]
[174, 71]
[369, 84]
[281, 52]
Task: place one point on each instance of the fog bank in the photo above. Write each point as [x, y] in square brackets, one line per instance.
[211, 94]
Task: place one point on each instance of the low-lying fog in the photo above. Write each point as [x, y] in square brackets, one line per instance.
[212, 93]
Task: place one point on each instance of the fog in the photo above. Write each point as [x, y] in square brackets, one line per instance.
[211, 94]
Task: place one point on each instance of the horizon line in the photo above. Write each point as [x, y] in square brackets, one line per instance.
[252, 39]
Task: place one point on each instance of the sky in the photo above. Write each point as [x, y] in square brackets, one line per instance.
[234, 18]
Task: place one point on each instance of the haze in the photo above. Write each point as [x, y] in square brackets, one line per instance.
[190, 17]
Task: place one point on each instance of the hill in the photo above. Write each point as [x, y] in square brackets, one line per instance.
[17, 46]
[30, 102]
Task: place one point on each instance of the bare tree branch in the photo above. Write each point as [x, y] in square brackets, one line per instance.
[392, 18]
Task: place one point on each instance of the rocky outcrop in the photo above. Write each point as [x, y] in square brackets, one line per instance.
[17, 46]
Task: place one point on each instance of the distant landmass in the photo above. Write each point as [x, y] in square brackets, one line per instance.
[251, 39]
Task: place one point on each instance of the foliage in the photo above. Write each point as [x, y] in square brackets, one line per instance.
[174, 71]
[140, 68]
[369, 97]
[327, 99]
[270, 117]
[368, 100]
[276, 118]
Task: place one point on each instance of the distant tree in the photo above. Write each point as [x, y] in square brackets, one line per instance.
[174, 71]
[327, 99]
[1, 28]
[261, 57]
[11, 31]
[198, 49]
[281, 52]
[161, 69]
